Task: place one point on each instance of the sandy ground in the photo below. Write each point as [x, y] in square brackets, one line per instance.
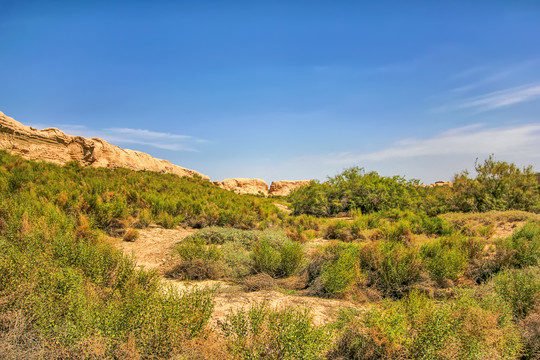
[152, 249]
[154, 245]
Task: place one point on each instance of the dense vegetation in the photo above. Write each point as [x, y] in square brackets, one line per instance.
[434, 287]
[497, 186]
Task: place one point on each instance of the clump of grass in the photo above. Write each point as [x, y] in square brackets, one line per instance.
[261, 281]
[131, 235]
[167, 220]
[145, 218]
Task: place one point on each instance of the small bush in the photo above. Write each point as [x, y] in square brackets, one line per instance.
[339, 230]
[416, 327]
[392, 266]
[167, 220]
[219, 236]
[445, 260]
[131, 235]
[145, 218]
[261, 281]
[522, 248]
[530, 330]
[266, 258]
[277, 259]
[237, 260]
[292, 257]
[520, 289]
[399, 231]
[198, 261]
[339, 275]
[264, 333]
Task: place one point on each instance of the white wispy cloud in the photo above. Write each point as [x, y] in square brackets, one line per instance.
[502, 98]
[474, 140]
[486, 75]
[127, 136]
[160, 140]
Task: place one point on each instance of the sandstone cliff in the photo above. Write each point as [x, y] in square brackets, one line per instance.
[53, 145]
[285, 187]
[244, 186]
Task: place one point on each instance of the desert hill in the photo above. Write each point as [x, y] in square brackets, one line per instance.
[53, 145]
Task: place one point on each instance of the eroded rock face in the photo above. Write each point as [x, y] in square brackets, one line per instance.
[244, 186]
[55, 146]
[285, 187]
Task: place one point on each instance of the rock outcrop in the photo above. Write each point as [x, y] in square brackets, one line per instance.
[441, 183]
[53, 145]
[285, 187]
[244, 186]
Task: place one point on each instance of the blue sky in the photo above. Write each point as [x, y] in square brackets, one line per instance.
[282, 89]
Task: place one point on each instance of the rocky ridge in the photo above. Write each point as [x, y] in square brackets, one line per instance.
[260, 187]
[285, 187]
[244, 186]
[55, 146]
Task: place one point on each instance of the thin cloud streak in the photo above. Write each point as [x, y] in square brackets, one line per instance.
[159, 140]
[147, 133]
[471, 140]
[502, 98]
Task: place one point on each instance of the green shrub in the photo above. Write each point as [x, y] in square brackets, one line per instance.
[292, 257]
[340, 274]
[398, 231]
[392, 266]
[264, 333]
[266, 258]
[237, 260]
[419, 328]
[445, 260]
[219, 236]
[167, 220]
[522, 248]
[340, 230]
[520, 288]
[198, 261]
[145, 218]
[354, 190]
[277, 258]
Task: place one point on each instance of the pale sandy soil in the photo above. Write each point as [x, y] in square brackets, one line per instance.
[503, 230]
[154, 245]
[230, 297]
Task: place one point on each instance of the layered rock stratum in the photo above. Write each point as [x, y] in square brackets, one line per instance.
[285, 187]
[244, 186]
[55, 146]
